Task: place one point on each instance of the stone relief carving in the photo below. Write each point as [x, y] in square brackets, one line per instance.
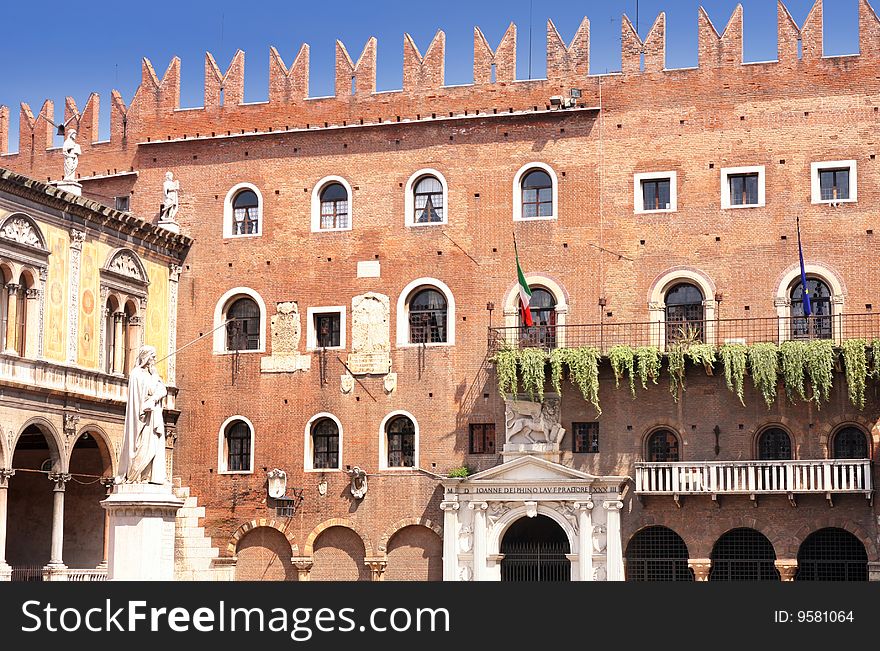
[533, 422]
[76, 239]
[465, 538]
[346, 383]
[495, 511]
[286, 330]
[600, 538]
[570, 514]
[358, 482]
[370, 334]
[390, 382]
[276, 480]
[71, 422]
[531, 508]
[20, 230]
[599, 573]
[465, 573]
[125, 265]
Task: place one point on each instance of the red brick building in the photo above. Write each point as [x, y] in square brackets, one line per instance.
[362, 246]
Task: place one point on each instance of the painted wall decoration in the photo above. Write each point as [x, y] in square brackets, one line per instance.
[56, 294]
[89, 310]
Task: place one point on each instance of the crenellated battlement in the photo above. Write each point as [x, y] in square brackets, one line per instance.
[154, 113]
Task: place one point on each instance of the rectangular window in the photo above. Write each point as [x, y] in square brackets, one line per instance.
[655, 194]
[585, 437]
[833, 181]
[834, 184]
[327, 329]
[482, 438]
[743, 189]
[122, 203]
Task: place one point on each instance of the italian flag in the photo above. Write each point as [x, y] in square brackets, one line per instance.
[525, 294]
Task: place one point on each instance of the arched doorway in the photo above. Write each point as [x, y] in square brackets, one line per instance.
[832, 554]
[535, 549]
[743, 555]
[264, 555]
[657, 554]
[84, 517]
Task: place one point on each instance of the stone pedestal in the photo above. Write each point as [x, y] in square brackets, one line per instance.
[5, 572]
[69, 186]
[142, 522]
[174, 227]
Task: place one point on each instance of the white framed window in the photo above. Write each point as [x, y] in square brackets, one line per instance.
[535, 193]
[833, 182]
[325, 327]
[398, 441]
[655, 192]
[243, 211]
[332, 205]
[244, 312]
[426, 314]
[742, 187]
[323, 443]
[426, 199]
[235, 447]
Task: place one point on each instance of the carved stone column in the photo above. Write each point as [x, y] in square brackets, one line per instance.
[450, 540]
[56, 562]
[11, 317]
[377, 567]
[614, 550]
[118, 342]
[76, 243]
[873, 570]
[5, 570]
[700, 567]
[303, 565]
[479, 509]
[173, 284]
[585, 540]
[787, 568]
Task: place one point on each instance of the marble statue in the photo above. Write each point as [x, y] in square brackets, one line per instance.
[142, 459]
[171, 201]
[71, 151]
[358, 482]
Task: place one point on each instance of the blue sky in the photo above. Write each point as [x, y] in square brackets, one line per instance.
[52, 49]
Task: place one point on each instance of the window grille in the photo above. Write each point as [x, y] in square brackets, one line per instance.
[774, 444]
[482, 438]
[585, 437]
[238, 447]
[325, 444]
[542, 333]
[818, 325]
[685, 314]
[743, 555]
[657, 554]
[832, 554]
[663, 446]
[850, 443]
[243, 331]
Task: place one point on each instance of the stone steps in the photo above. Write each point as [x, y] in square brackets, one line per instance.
[194, 553]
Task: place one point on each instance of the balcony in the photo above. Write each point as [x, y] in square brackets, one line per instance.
[754, 478]
[604, 336]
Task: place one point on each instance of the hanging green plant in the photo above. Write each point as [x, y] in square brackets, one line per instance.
[764, 369]
[875, 359]
[557, 359]
[733, 359]
[702, 355]
[532, 362]
[648, 361]
[855, 361]
[583, 371]
[505, 371]
[794, 361]
[622, 359]
[675, 358]
[820, 364]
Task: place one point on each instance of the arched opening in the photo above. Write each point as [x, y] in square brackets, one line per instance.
[26, 313]
[401, 442]
[84, 518]
[237, 447]
[850, 443]
[774, 444]
[535, 549]
[112, 342]
[415, 553]
[818, 324]
[662, 446]
[428, 201]
[339, 556]
[542, 333]
[427, 317]
[537, 194]
[325, 444]
[131, 325]
[685, 314]
[6, 277]
[743, 555]
[30, 500]
[657, 554]
[246, 213]
[832, 554]
[263, 554]
[334, 207]
[243, 327]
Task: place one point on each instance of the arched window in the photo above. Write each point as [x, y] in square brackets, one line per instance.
[428, 201]
[542, 305]
[236, 453]
[657, 554]
[662, 446]
[243, 330]
[743, 555]
[246, 213]
[427, 317]
[774, 444]
[334, 207]
[685, 317]
[818, 325]
[325, 444]
[401, 437]
[850, 443]
[537, 194]
[25, 284]
[832, 554]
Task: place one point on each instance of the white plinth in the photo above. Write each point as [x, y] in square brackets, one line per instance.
[174, 227]
[142, 519]
[69, 186]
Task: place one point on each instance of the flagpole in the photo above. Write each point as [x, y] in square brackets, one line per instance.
[806, 306]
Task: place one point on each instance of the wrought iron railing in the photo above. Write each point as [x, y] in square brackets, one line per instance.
[604, 336]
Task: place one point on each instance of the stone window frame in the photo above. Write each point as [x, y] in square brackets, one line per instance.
[840, 427]
[228, 217]
[815, 186]
[222, 306]
[646, 443]
[383, 442]
[657, 302]
[785, 285]
[761, 431]
[309, 447]
[727, 172]
[312, 335]
[223, 451]
[316, 204]
[638, 195]
[126, 289]
[517, 192]
[25, 257]
[402, 320]
[409, 200]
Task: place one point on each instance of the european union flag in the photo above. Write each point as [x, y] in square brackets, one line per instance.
[808, 309]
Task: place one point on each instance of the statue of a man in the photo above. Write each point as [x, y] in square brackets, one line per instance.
[171, 202]
[142, 459]
[71, 151]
